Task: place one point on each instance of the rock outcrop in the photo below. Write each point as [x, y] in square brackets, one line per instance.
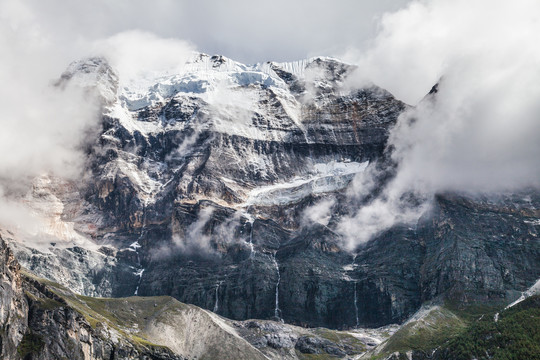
[39, 324]
[13, 307]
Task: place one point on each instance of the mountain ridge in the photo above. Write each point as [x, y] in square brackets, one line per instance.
[201, 193]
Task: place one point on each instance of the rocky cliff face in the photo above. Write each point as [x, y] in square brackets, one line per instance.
[39, 324]
[44, 320]
[13, 307]
[197, 188]
[481, 249]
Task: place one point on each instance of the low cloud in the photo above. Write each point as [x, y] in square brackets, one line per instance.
[196, 240]
[42, 125]
[14, 215]
[481, 131]
[137, 55]
[320, 213]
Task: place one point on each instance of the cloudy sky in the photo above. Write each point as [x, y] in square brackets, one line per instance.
[246, 30]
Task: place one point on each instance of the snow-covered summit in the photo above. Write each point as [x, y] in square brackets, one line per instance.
[205, 76]
[92, 73]
[159, 123]
[300, 68]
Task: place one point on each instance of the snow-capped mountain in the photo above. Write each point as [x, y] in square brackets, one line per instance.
[197, 187]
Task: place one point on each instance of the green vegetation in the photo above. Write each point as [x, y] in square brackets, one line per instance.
[437, 326]
[339, 337]
[302, 356]
[472, 312]
[126, 315]
[30, 344]
[48, 304]
[465, 333]
[515, 336]
[343, 339]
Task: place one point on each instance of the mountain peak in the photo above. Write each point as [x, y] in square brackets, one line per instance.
[93, 73]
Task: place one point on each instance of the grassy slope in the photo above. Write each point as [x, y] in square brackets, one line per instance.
[516, 335]
[162, 321]
[436, 326]
[457, 333]
[159, 321]
[472, 332]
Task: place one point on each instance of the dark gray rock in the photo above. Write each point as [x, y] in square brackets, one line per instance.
[312, 345]
[481, 249]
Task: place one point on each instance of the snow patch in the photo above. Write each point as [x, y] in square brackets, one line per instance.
[296, 68]
[146, 186]
[327, 177]
[533, 290]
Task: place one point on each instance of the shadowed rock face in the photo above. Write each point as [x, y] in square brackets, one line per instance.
[481, 249]
[197, 184]
[38, 324]
[13, 308]
[44, 320]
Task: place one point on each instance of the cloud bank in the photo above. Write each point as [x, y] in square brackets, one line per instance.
[137, 54]
[481, 131]
[43, 126]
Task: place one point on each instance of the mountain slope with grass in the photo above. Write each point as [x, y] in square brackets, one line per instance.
[45, 320]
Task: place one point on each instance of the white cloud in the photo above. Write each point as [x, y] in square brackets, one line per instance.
[41, 125]
[136, 54]
[245, 30]
[319, 213]
[481, 133]
[195, 239]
